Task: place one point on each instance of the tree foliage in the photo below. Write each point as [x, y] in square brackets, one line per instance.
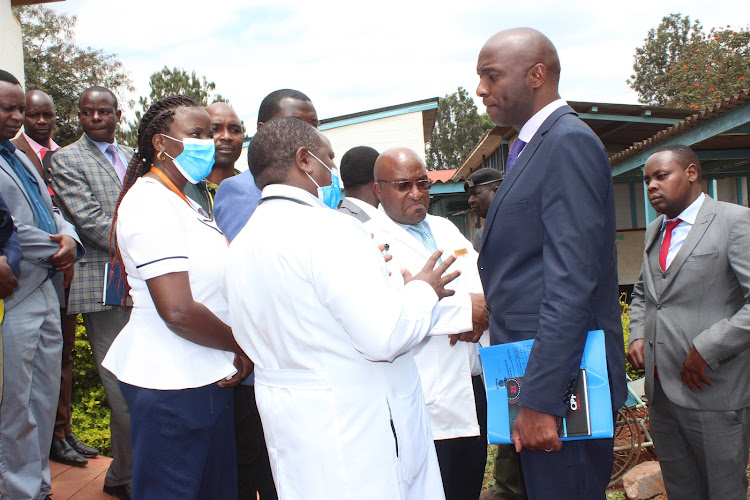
[168, 82]
[679, 65]
[55, 64]
[457, 129]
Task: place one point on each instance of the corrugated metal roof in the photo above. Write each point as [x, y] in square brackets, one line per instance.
[441, 175]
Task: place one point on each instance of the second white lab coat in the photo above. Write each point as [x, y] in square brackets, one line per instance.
[445, 370]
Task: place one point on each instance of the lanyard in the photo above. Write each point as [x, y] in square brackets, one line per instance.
[179, 193]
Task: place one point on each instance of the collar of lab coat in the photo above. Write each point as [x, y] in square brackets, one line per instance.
[286, 191]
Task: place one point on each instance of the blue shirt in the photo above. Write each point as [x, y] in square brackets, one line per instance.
[234, 203]
[43, 216]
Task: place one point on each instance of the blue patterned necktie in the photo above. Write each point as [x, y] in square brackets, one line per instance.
[427, 239]
[515, 150]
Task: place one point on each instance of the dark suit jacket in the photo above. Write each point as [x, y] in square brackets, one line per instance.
[548, 260]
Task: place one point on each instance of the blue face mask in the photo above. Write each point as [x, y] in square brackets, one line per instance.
[329, 195]
[196, 160]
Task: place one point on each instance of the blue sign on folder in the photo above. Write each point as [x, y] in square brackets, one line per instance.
[590, 412]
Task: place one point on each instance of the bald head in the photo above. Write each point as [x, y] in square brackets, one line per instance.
[220, 107]
[399, 172]
[527, 47]
[519, 72]
[39, 120]
[390, 159]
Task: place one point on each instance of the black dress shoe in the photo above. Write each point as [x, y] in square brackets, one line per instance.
[63, 453]
[82, 449]
[121, 491]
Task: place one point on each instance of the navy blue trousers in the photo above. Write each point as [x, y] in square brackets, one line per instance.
[579, 471]
[183, 442]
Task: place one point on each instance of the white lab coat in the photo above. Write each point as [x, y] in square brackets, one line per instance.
[445, 371]
[311, 304]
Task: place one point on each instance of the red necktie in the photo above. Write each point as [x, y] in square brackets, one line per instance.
[665, 242]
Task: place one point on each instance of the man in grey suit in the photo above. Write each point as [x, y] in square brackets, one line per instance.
[87, 177]
[690, 329]
[357, 167]
[32, 339]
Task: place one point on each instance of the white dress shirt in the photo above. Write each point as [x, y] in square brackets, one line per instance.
[102, 146]
[158, 233]
[531, 126]
[680, 232]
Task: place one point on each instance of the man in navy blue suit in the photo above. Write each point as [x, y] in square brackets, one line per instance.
[548, 261]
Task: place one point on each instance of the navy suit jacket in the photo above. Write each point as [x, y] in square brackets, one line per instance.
[548, 261]
[234, 203]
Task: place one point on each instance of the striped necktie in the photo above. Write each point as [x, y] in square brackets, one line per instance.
[515, 150]
[427, 239]
[120, 167]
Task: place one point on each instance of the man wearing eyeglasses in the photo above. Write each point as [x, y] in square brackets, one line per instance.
[449, 369]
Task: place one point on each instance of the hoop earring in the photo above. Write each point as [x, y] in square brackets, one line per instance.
[160, 155]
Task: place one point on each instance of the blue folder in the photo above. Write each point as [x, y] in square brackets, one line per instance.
[590, 414]
[114, 293]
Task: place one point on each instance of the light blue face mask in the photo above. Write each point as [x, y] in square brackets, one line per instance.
[196, 160]
[329, 195]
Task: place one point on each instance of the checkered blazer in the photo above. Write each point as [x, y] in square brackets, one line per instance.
[87, 187]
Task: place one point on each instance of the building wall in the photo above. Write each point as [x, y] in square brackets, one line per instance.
[11, 46]
[629, 255]
[401, 130]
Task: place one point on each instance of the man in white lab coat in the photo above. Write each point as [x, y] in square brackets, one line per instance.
[312, 304]
[449, 370]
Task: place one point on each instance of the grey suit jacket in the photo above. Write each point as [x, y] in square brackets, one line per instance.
[36, 245]
[701, 301]
[352, 209]
[87, 187]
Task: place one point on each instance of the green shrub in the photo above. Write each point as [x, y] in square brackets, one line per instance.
[625, 317]
[90, 421]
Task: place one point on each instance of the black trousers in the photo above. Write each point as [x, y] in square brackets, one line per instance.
[253, 468]
[462, 460]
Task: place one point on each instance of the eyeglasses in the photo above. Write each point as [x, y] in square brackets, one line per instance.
[405, 186]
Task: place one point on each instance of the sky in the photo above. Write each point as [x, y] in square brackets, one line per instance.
[350, 56]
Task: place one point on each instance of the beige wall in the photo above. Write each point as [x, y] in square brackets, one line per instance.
[629, 255]
[401, 130]
[11, 47]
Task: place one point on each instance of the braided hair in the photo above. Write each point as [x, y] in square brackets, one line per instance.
[157, 120]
